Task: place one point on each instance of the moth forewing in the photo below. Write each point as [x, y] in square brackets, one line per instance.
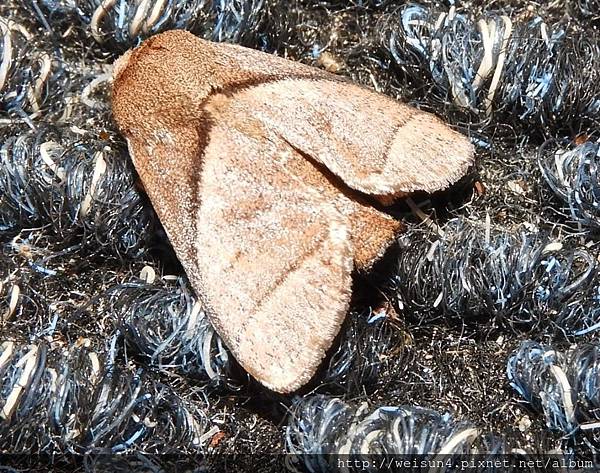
[273, 253]
[373, 143]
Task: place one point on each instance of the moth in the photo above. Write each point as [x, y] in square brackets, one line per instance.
[268, 177]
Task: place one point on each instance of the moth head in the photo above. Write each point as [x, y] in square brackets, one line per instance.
[158, 86]
[121, 64]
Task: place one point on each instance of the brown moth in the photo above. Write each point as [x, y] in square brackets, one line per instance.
[264, 173]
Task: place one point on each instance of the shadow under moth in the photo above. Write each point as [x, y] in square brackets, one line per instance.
[263, 173]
